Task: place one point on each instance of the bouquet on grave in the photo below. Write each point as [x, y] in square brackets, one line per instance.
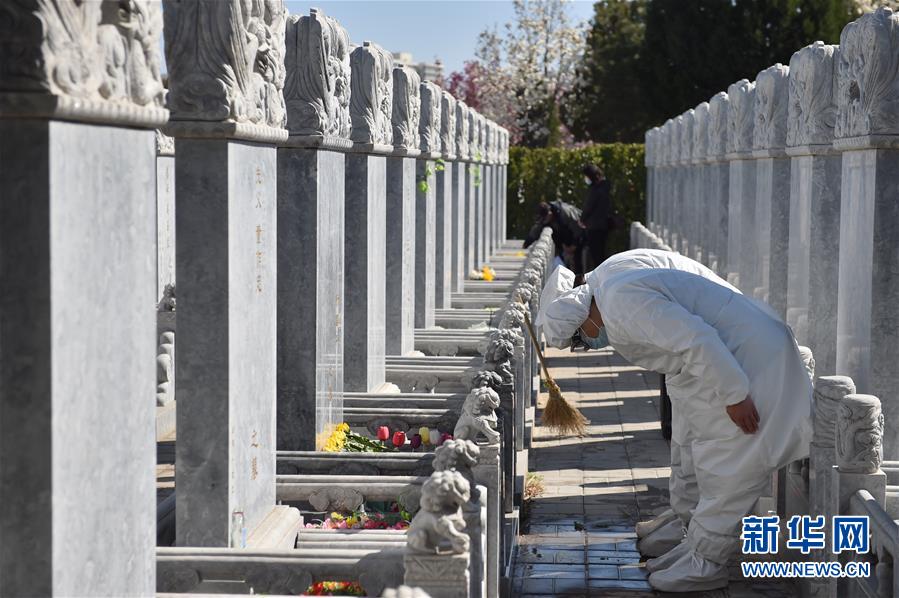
[487, 274]
[335, 588]
[394, 517]
[346, 441]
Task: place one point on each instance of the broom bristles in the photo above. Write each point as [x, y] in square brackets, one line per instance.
[559, 415]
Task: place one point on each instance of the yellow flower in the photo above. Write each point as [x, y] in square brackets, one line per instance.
[488, 273]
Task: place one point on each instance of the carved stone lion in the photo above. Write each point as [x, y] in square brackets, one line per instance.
[459, 455]
[439, 527]
[478, 416]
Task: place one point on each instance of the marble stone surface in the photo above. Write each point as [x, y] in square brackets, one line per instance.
[79, 344]
[425, 242]
[867, 337]
[226, 369]
[364, 272]
[310, 290]
[741, 182]
[443, 241]
[471, 192]
[165, 223]
[460, 188]
[773, 227]
[480, 225]
[400, 278]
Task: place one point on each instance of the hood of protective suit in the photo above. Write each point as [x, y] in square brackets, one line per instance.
[563, 308]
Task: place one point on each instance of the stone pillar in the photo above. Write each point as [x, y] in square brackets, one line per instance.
[426, 205]
[868, 134]
[444, 242]
[813, 258]
[701, 189]
[772, 186]
[649, 149]
[80, 95]
[311, 170]
[400, 284]
[829, 394]
[481, 193]
[471, 203]
[165, 285]
[741, 228]
[719, 175]
[504, 186]
[686, 197]
[460, 194]
[371, 109]
[488, 473]
[665, 191]
[226, 178]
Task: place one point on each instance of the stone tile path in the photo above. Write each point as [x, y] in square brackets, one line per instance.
[580, 537]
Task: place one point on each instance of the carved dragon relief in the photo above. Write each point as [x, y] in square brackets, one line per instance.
[371, 96]
[226, 62]
[868, 84]
[700, 140]
[462, 133]
[448, 124]
[317, 83]
[406, 108]
[429, 127]
[719, 106]
[88, 61]
[741, 116]
[859, 434]
[813, 95]
[771, 100]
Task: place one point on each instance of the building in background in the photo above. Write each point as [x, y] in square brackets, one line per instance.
[427, 71]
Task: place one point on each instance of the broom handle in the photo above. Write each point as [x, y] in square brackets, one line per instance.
[527, 321]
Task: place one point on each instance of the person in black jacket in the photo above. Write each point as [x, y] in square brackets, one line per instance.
[564, 219]
[597, 214]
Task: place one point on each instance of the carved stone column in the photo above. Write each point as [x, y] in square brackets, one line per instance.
[664, 193]
[772, 186]
[228, 114]
[460, 201]
[400, 280]
[489, 188]
[648, 156]
[678, 176]
[742, 244]
[426, 204]
[481, 185]
[473, 195]
[311, 171]
[700, 197]
[504, 184]
[80, 95]
[445, 239]
[371, 111]
[814, 245]
[718, 198]
[867, 132]
[487, 473]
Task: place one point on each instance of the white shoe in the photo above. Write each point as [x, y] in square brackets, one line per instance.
[690, 573]
[644, 528]
[667, 559]
[662, 540]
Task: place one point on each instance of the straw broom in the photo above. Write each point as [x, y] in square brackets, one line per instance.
[558, 414]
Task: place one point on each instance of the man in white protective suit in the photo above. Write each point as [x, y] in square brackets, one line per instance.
[741, 397]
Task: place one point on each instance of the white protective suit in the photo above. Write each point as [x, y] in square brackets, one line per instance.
[665, 313]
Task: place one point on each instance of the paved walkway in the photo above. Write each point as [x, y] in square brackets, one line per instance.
[580, 538]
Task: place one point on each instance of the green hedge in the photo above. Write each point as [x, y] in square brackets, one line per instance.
[548, 174]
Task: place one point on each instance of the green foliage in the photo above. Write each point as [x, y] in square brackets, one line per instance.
[647, 60]
[547, 174]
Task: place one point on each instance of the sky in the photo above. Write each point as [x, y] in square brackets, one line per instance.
[428, 29]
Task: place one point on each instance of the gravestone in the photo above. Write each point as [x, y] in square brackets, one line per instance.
[443, 242]
[371, 110]
[742, 247]
[773, 186]
[460, 200]
[813, 258]
[867, 132]
[226, 254]
[701, 186]
[426, 205]
[717, 221]
[400, 293]
[311, 170]
[165, 213]
[687, 198]
[80, 97]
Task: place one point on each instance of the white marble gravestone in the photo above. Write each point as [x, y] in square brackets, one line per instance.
[742, 264]
[311, 170]
[226, 225]
[445, 171]
[701, 183]
[813, 260]
[719, 176]
[365, 217]
[80, 95]
[426, 204]
[165, 213]
[460, 197]
[867, 132]
[772, 208]
[400, 289]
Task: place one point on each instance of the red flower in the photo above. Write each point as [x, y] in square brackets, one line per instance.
[399, 438]
[383, 433]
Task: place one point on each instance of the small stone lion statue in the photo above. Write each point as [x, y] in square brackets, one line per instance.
[439, 527]
[462, 456]
[478, 416]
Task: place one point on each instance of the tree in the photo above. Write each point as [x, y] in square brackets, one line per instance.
[522, 73]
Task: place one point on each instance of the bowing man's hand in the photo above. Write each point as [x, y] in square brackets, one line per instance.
[745, 415]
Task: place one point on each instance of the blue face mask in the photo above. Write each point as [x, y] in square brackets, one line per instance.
[600, 341]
